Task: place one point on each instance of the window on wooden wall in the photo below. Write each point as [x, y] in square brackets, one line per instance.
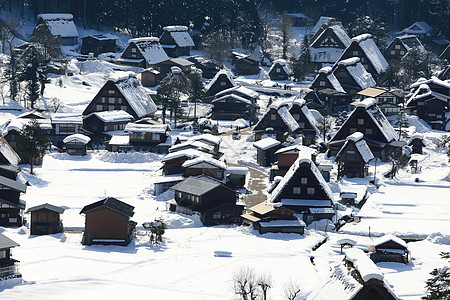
[217, 215]
[311, 191]
[273, 117]
[360, 121]
[296, 190]
[304, 180]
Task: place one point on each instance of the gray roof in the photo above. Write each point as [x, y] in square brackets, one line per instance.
[46, 206]
[195, 186]
[12, 184]
[6, 242]
[112, 203]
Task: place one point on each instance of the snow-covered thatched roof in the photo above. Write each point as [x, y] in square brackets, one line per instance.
[222, 72]
[361, 146]
[77, 137]
[112, 116]
[180, 35]
[59, 24]
[418, 28]
[363, 78]
[372, 52]
[136, 96]
[146, 128]
[8, 153]
[151, 49]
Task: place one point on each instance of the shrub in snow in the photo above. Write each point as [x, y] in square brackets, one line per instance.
[439, 284]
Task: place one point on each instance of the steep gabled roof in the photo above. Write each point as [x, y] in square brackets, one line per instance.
[235, 97]
[370, 49]
[360, 145]
[241, 91]
[322, 20]
[222, 72]
[327, 71]
[410, 42]
[8, 153]
[150, 49]
[290, 174]
[210, 161]
[306, 112]
[180, 35]
[354, 67]
[59, 24]
[418, 28]
[389, 237]
[282, 63]
[112, 203]
[136, 96]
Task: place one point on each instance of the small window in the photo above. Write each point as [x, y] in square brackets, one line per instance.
[311, 191]
[296, 190]
[103, 100]
[273, 117]
[392, 52]
[402, 52]
[99, 107]
[133, 50]
[111, 100]
[368, 131]
[397, 47]
[278, 70]
[355, 53]
[351, 152]
[223, 83]
[178, 194]
[111, 92]
[217, 215]
[2, 254]
[438, 116]
[301, 125]
[296, 116]
[352, 130]
[304, 180]
[363, 59]
[360, 121]
[322, 83]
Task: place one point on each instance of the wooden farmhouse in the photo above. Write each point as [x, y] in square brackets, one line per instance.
[286, 157]
[354, 156]
[368, 119]
[98, 44]
[205, 166]
[363, 47]
[323, 20]
[326, 80]
[430, 100]
[221, 81]
[265, 151]
[245, 64]
[401, 45]
[61, 26]
[65, 124]
[416, 143]
[11, 207]
[352, 76]
[144, 52]
[390, 102]
[125, 94]
[390, 248]
[173, 162]
[176, 41]
[211, 199]
[280, 70]
[195, 145]
[304, 190]
[268, 217]
[9, 267]
[312, 99]
[148, 137]
[208, 68]
[45, 219]
[100, 126]
[208, 139]
[329, 45]
[76, 144]
[334, 101]
[165, 67]
[355, 278]
[233, 107]
[287, 118]
[150, 77]
[108, 222]
[419, 29]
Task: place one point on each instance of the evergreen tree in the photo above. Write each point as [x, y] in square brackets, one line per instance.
[180, 84]
[197, 94]
[439, 284]
[366, 24]
[48, 44]
[33, 67]
[164, 95]
[286, 32]
[401, 122]
[12, 73]
[301, 64]
[32, 142]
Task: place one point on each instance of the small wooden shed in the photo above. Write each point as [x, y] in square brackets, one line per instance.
[416, 144]
[76, 144]
[266, 149]
[391, 249]
[45, 219]
[108, 222]
[8, 266]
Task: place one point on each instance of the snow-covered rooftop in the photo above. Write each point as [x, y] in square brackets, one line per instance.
[389, 237]
[60, 24]
[372, 52]
[112, 116]
[223, 71]
[363, 264]
[180, 35]
[146, 128]
[211, 161]
[77, 137]
[151, 49]
[136, 95]
[67, 118]
[266, 143]
[8, 152]
[240, 90]
[119, 139]
[363, 78]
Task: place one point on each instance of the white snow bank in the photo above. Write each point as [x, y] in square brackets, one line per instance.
[128, 158]
[365, 266]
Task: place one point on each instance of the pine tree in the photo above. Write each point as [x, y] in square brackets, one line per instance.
[401, 122]
[12, 73]
[439, 284]
[164, 95]
[286, 31]
[33, 73]
[197, 94]
[366, 24]
[300, 65]
[32, 142]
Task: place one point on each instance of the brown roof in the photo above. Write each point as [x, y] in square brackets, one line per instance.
[262, 208]
[372, 92]
[250, 217]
